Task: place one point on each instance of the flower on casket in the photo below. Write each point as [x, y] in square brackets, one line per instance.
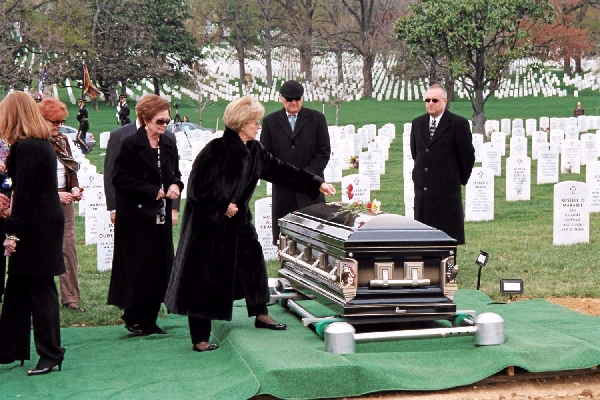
[359, 206]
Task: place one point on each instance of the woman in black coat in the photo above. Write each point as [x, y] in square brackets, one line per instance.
[147, 179]
[219, 258]
[34, 233]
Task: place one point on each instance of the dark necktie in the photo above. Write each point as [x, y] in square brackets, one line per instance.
[432, 129]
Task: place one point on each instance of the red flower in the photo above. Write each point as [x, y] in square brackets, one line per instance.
[349, 191]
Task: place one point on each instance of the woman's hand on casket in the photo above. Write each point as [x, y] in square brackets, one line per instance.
[327, 189]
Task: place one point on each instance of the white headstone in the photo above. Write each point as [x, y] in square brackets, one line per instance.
[571, 213]
[530, 126]
[369, 165]
[491, 157]
[589, 151]
[548, 159]
[104, 136]
[263, 224]
[356, 187]
[570, 157]
[479, 195]
[477, 142]
[537, 138]
[95, 204]
[518, 146]
[88, 182]
[592, 179]
[506, 125]
[105, 242]
[571, 133]
[557, 136]
[518, 131]
[499, 139]
[518, 178]
[544, 123]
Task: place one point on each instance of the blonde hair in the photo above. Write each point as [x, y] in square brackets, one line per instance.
[20, 118]
[242, 111]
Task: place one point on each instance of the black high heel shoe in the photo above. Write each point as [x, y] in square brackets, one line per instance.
[42, 371]
[277, 326]
[9, 361]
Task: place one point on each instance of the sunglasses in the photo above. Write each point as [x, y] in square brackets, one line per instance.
[431, 100]
[58, 123]
[290, 99]
[162, 121]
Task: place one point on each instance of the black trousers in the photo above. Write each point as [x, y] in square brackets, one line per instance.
[30, 300]
[200, 327]
[144, 317]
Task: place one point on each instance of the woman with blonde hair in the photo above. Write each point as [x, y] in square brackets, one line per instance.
[33, 238]
[219, 258]
[55, 114]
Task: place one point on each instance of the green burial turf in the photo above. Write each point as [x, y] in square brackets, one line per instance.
[107, 362]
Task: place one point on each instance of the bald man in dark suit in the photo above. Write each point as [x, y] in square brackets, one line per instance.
[441, 145]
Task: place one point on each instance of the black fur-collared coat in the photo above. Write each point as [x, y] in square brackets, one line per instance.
[143, 256]
[219, 259]
[442, 164]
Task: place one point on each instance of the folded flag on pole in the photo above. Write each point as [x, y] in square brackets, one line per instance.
[89, 89]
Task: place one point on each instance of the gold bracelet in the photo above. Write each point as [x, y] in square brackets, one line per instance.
[12, 237]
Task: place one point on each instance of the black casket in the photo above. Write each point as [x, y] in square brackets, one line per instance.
[366, 266]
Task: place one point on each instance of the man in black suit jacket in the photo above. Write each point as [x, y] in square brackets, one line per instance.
[306, 146]
[444, 157]
[112, 150]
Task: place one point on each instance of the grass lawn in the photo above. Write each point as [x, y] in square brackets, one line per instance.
[519, 239]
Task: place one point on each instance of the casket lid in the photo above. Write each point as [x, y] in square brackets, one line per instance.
[325, 220]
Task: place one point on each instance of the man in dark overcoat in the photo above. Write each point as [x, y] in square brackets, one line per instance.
[305, 145]
[123, 110]
[442, 149]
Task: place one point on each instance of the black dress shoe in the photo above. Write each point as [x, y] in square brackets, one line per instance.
[277, 326]
[42, 371]
[136, 329]
[210, 347]
[155, 329]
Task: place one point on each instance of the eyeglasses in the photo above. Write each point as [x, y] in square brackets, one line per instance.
[162, 121]
[431, 100]
[290, 99]
[257, 124]
[58, 123]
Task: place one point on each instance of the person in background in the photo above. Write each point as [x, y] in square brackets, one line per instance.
[55, 114]
[441, 146]
[299, 136]
[186, 119]
[219, 257]
[33, 238]
[112, 150]
[123, 110]
[578, 110]
[147, 179]
[84, 125]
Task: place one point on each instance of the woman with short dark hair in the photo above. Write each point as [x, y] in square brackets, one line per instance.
[147, 179]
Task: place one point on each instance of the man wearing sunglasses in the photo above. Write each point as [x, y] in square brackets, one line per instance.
[442, 149]
[299, 136]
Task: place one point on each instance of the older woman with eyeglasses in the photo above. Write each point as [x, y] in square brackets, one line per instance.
[147, 179]
[55, 114]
